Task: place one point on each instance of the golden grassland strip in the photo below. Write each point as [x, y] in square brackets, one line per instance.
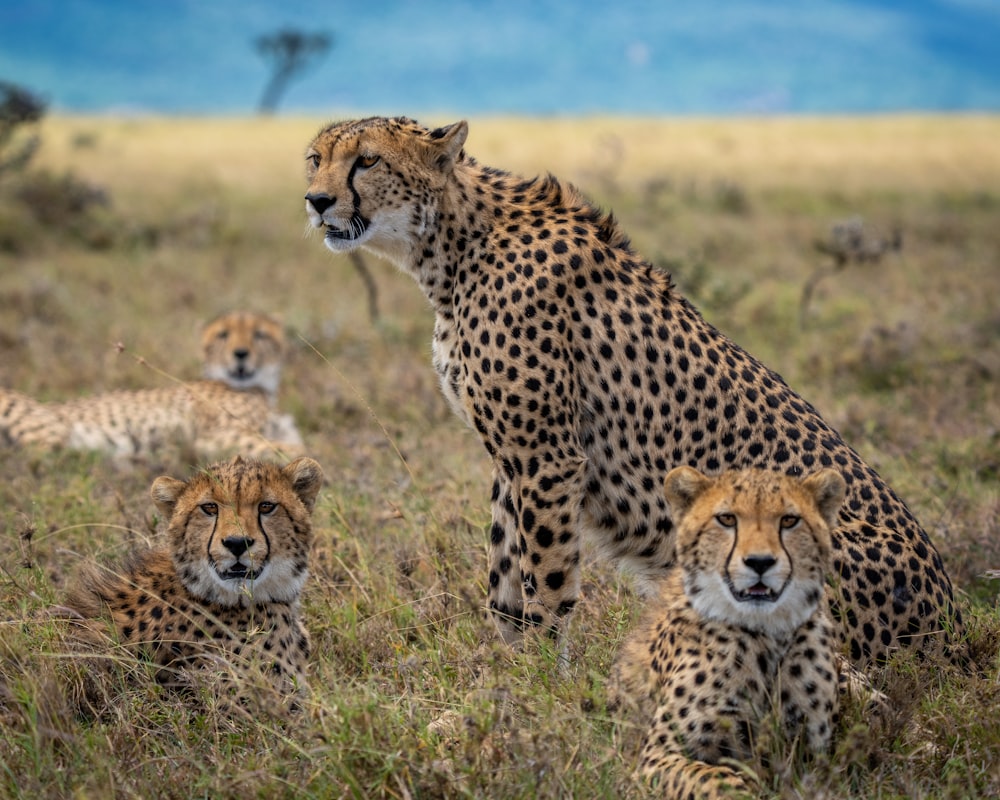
[957, 153]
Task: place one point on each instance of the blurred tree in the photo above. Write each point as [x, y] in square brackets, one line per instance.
[289, 52]
[18, 107]
[32, 197]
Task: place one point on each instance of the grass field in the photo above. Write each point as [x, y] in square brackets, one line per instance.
[901, 355]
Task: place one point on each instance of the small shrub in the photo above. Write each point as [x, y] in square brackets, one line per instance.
[18, 108]
[36, 202]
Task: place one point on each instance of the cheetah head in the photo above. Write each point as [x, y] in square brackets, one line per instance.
[373, 182]
[240, 531]
[754, 545]
[244, 350]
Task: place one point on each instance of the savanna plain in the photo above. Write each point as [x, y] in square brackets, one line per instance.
[859, 258]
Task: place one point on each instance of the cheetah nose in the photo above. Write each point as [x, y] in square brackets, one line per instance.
[237, 545]
[240, 354]
[320, 201]
[760, 564]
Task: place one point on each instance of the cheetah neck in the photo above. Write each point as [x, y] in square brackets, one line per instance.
[479, 216]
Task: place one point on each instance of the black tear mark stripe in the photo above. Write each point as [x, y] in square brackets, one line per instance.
[211, 538]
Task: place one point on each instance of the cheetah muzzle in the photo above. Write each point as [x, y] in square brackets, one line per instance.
[354, 232]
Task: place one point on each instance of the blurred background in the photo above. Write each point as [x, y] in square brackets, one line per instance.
[504, 56]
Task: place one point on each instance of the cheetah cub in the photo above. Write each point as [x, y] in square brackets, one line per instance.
[740, 627]
[223, 593]
[231, 411]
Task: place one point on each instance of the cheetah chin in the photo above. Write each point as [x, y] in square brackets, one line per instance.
[353, 236]
[239, 572]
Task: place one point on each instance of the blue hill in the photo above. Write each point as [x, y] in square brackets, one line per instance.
[520, 56]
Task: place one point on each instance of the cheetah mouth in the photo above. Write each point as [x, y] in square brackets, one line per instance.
[239, 572]
[240, 378]
[357, 226]
[758, 593]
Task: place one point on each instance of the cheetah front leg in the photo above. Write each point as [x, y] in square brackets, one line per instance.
[808, 679]
[665, 763]
[534, 553]
[504, 593]
[548, 500]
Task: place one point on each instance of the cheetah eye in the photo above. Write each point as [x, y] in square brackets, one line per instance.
[726, 520]
[789, 521]
[258, 335]
[313, 159]
[367, 162]
[210, 509]
[223, 335]
[266, 507]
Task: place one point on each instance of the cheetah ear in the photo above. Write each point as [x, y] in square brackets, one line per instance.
[165, 492]
[829, 489]
[307, 479]
[446, 144]
[682, 486]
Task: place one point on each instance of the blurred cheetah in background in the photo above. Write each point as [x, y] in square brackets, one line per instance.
[231, 411]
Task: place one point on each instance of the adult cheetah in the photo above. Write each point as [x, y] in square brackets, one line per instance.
[739, 630]
[224, 588]
[588, 377]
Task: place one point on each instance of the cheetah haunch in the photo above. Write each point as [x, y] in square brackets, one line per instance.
[740, 627]
[588, 377]
[231, 411]
[224, 589]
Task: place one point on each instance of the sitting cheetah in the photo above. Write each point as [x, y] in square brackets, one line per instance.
[231, 411]
[588, 377]
[740, 627]
[225, 588]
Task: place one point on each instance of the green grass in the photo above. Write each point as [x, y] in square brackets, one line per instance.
[206, 215]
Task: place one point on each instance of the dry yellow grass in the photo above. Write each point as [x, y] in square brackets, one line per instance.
[207, 214]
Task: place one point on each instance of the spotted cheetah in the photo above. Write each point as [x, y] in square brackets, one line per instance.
[740, 627]
[588, 377]
[231, 411]
[224, 589]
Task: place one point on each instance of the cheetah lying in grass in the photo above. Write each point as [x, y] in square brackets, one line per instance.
[231, 411]
[222, 595]
[740, 628]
